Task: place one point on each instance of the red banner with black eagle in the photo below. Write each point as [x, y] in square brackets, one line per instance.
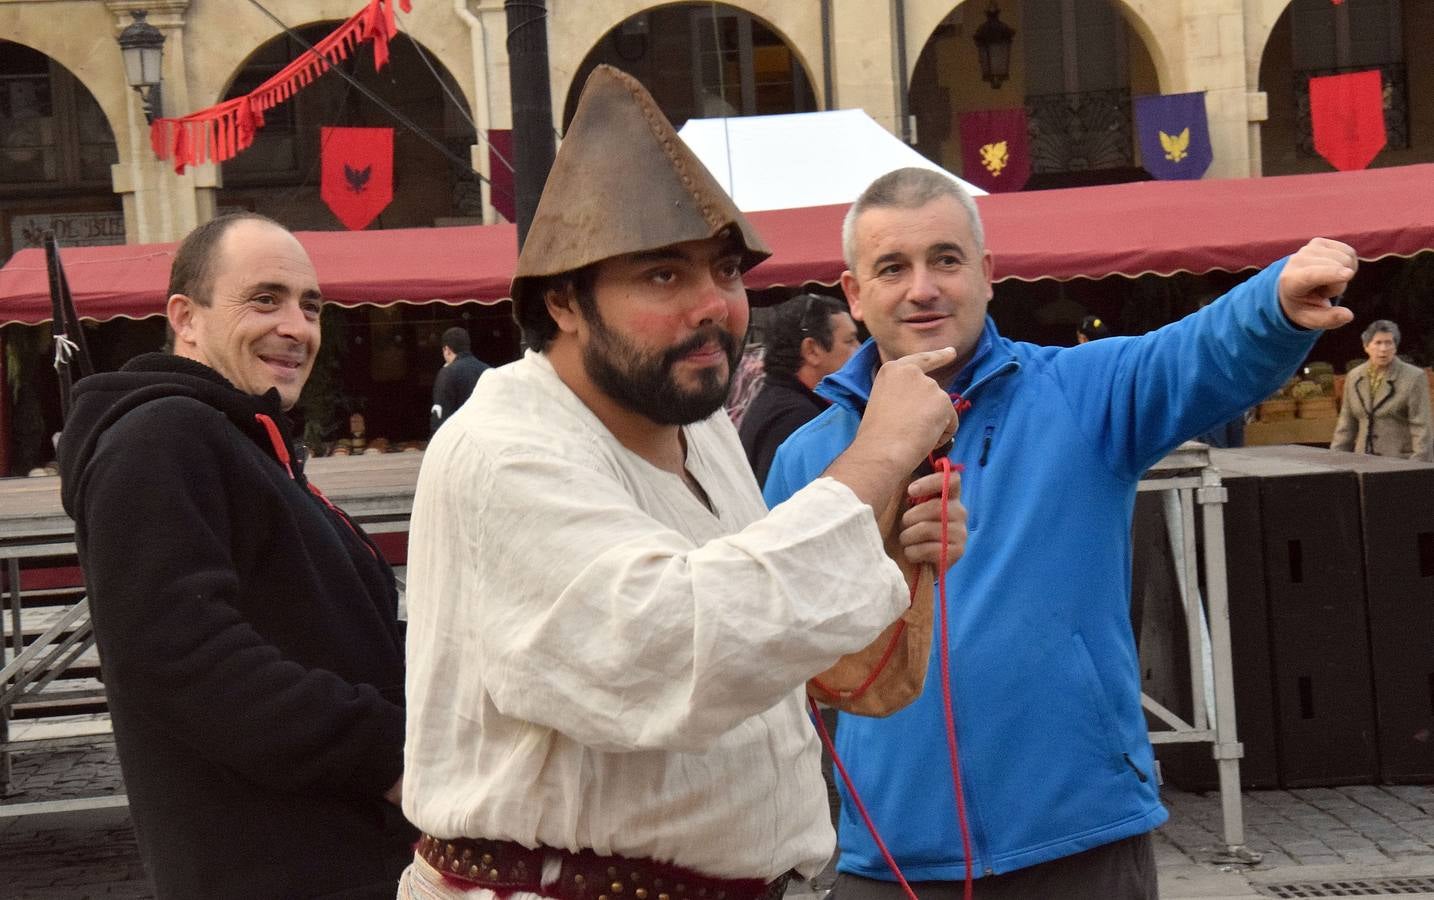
[357, 179]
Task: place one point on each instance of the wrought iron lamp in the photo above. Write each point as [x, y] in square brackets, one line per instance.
[993, 43]
[143, 48]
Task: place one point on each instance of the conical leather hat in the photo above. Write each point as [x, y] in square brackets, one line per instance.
[623, 182]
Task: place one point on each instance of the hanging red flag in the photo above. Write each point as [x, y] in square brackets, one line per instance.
[500, 173]
[1347, 117]
[357, 181]
[221, 131]
[995, 154]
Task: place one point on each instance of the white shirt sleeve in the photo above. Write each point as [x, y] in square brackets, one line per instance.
[596, 620]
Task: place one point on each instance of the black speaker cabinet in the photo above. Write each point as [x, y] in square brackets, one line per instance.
[1397, 517]
[1313, 549]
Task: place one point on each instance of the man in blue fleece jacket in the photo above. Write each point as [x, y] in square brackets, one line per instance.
[1057, 771]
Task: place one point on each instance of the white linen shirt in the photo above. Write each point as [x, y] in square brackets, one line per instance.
[597, 660]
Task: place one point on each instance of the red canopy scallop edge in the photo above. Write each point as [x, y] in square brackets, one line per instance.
[1156, 227]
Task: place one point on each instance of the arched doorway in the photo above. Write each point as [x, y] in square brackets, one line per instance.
[702, 60]
[279, 175]
[56, 149]
[1074, 67]
[1313, 38]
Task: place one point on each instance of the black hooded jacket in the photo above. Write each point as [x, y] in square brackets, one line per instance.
[248, 641]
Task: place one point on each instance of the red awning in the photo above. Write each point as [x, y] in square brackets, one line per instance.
[405, 265]
[1164, 227]
[1158, 227]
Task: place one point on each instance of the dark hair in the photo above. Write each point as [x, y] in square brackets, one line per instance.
[536, 324]
[192, 271]
[457, 340]
[1094, 328]
[803, 316]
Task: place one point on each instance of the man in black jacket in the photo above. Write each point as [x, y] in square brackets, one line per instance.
[808, 337]
[247, 628]
[455, 381]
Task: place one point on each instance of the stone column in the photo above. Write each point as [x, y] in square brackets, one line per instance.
[487, 26]
[158, 204]
[1212, 59]
[863, 55]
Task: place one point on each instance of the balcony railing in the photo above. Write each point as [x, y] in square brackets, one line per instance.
[1080, 131]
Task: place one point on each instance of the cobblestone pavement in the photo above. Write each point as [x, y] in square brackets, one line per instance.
[1372, 829]
[70, 856]
[1361, 825]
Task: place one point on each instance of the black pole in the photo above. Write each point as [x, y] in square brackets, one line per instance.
[72, 320]
[57, 321]
[903, 108]
[533, 143]
[830, 101]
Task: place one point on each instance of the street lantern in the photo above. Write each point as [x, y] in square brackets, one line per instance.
[143, 48]
[993, 43]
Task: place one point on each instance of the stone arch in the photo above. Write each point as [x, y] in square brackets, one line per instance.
[573, 38]
[436, 29]
[1260, 19]
[86, 48]
[279, 174]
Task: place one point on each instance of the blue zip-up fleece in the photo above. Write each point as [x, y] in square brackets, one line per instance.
[1045, 680]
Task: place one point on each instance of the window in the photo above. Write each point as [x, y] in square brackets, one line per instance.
[52, 132]
[1077, 93]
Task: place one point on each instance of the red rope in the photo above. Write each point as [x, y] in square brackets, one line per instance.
[945, 467]
[856, 799]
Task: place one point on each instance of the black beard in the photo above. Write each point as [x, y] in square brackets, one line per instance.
[643, 383]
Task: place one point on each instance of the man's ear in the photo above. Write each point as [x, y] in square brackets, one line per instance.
[811, 351]
[562, 303]
[852, 288]
[179, 310]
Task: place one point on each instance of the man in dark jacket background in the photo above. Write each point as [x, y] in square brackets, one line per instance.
[455, 381]
[808, 337]
[247, 628]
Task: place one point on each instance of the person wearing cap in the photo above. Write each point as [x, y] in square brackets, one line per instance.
[1058, 789]
[1091, 328]
[609, 633]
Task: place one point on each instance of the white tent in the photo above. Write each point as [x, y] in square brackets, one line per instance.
[801, 159]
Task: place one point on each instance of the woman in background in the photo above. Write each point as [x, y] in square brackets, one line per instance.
[1386, 401]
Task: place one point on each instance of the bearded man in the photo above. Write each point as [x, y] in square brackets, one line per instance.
[609, 633]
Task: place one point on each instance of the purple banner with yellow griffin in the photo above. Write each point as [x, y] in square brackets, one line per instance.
[1174, 135]
[995, 150]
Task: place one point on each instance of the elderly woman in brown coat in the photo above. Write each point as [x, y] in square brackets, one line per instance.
[1386, 401]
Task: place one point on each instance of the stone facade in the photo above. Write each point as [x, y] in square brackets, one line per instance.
[1167, 46]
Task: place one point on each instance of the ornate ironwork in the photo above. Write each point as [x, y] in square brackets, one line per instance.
[1396, 106]
[1080, 131]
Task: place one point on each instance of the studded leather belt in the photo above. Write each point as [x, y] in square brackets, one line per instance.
[505, 867]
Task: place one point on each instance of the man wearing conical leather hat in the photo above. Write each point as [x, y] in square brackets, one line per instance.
[609, 633]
